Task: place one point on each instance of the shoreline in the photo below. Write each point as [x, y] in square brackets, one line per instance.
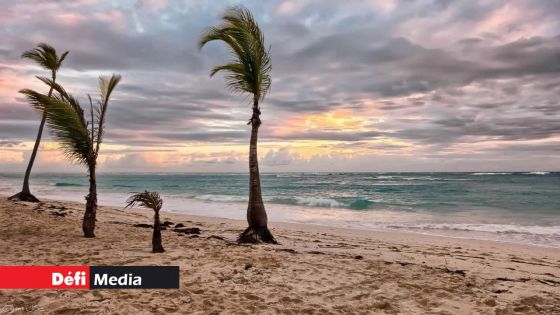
[279, 214]
[315, 269]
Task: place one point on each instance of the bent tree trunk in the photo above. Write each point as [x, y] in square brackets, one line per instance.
[25, 193]
[156, 238]
[88, 224]
[256, 214]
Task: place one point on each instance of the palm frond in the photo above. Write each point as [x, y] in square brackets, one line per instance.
[66, 97]
[66, 122]
[250, 70]
[106, 87]
[145, 199]
[61, 59]
[45, 56]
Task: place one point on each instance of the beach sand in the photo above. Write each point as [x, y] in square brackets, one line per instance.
[315, 270]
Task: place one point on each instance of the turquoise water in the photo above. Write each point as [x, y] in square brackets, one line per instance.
[516, 207]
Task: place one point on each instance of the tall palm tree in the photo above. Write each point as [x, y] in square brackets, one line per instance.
[153, 201]
[79, 138]
[248, 72]
[46, 57]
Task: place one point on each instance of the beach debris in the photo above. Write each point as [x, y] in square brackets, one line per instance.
[499, 291]
[248, 266]
[490, 302]
[359, 257]
[216, 237]
[179, 225]
[194, 230]
[456, 271]
[143, 225]
[289, 250]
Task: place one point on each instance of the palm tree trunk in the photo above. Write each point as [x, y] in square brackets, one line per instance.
[88, 225]
[256, 213]
[156, 238]
[25, 193]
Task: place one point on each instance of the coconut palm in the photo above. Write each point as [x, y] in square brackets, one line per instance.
[46, 57]
[248, 72]
[153, 201]
[79, 138]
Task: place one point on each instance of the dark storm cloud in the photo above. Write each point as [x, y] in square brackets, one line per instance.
[18, 130]
[458, 130]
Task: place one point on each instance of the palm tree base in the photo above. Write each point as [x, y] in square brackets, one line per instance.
[24, 196]
[158, 250]
[255, 235]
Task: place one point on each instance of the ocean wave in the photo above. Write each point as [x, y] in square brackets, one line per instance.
[409, 178]
[537, 173]
[63, 184]
[491, 173]
[319, 202]
[486, 228]
[310, 202]
[123, 186]
[357, 204]
[361, 204]
[221, 198]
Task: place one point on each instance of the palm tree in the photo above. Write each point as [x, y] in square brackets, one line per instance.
[153, 201]
[79, 138]
[45, 56]
[248, 72]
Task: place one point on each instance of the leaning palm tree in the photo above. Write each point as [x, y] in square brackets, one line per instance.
[46, 57]
[248, 72]
[79, 138]
[153, 201]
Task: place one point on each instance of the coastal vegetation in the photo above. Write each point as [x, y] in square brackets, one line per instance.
[151, 200]
[46, 57]
[79, 138]
[247, 73]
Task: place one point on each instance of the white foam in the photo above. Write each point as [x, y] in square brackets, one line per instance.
[319, 202]
[221, 198]
[490, 173]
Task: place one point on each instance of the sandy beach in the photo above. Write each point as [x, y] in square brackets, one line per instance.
[314, 270]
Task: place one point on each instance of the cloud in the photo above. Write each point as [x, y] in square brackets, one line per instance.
[281, 156]
[421, 76]
[9, 143]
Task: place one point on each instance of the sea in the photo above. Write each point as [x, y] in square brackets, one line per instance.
[519, 207]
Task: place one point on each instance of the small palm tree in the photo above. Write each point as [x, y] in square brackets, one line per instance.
[45, 56]
[248, 72]
[153, 201]
[79, 138]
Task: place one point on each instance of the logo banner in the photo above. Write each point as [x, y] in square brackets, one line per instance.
[89, 277]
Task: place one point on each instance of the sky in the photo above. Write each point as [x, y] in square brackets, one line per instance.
[393, 85]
